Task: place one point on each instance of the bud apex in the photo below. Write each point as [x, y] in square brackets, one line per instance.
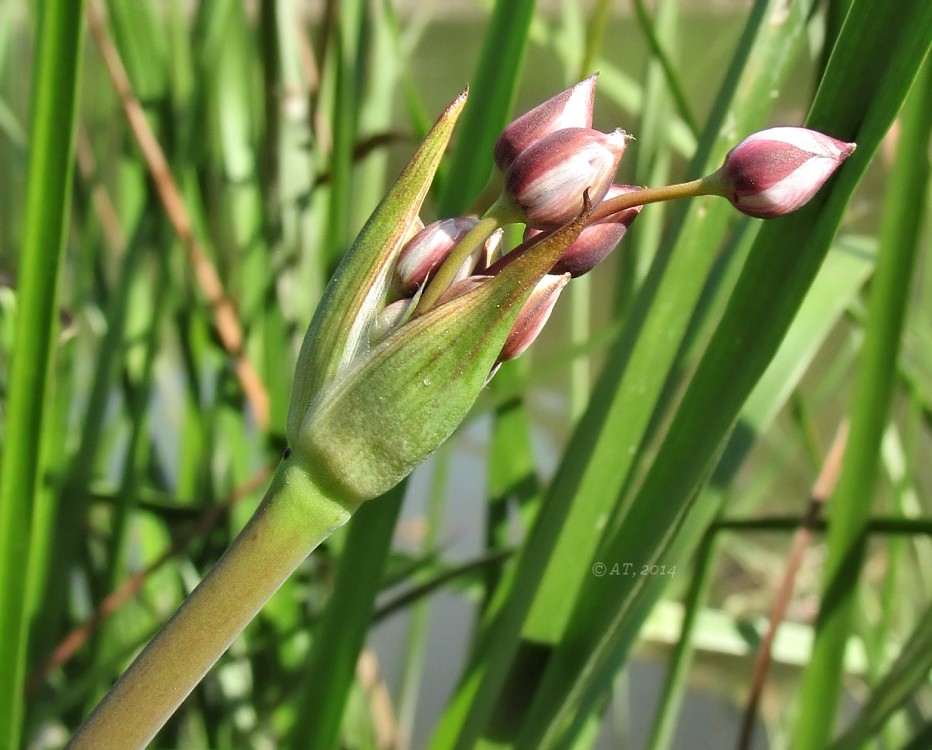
[597, 240]
[546, 182]
[534, 315]
[776, 171]
[569, 109]
[428, 249]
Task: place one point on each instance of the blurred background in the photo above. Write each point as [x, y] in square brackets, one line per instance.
[278, 126]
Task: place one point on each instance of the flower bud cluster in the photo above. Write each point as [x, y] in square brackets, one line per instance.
[550, 158]
[417, 317]
[597, 240]
[432, 245]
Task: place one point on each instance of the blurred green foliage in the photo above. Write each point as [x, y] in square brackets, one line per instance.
[720, 357]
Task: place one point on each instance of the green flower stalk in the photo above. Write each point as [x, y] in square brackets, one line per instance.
[381, 381]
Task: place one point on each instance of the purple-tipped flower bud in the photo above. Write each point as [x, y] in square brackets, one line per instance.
[534, 315]
[547, 180]
[428, 249]
[597, 240]
[775, 171]
[569, 109]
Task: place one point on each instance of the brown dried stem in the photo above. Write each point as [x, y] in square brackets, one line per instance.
[226, 321]
[384, 723]
[802, 538]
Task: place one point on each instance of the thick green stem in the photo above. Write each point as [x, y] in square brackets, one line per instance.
[294, 518]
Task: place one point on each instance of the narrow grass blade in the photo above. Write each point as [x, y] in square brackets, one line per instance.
[48, 201]
[661, 56]
[345, 72]
[414, 674]
[635, 376]
[595, 466]
[674, 686]
[513, 476]
[861, 93]
[375, 115]
[908, 673]
[851, 504]
[844, 273]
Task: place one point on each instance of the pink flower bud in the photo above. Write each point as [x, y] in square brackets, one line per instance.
[597, 240]
[775, 171]
[428, 249]
[547, 180]
[569, 109]
[534, 315]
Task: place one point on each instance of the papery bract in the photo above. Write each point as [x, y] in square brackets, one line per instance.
[339, 330]
[545, 183]
[568, 109]
[776, 171]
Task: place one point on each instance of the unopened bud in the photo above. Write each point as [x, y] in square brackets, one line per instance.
[597, 240]
[547, 180]
[569, 109]
[534, 315]
[428, 249]
[776, 171]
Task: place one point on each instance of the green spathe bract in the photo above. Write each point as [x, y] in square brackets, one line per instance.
[362, 418]
[356, 293]
[401, 400]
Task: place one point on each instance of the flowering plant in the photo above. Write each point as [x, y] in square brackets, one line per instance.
[168, 232]
[413, 324]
